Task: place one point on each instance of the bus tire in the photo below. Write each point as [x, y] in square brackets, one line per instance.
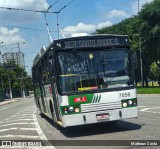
[51, 110]
[41, 114]
[58, 126]
[53, 117]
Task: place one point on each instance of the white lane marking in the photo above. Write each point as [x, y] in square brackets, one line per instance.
[145, 109]
[21, 115]
[31, 129]
[8, 121]
[20, 136]
[152, 112]
[18, 113]
[12, 119]
[39, 130]
[8, 129]
[150, 108]
[16, 124]
[28, 129]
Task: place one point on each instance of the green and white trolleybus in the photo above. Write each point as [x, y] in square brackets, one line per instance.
[84, 80]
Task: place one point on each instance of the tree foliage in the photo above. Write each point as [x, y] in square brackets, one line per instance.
[11, 75]
[154, 71]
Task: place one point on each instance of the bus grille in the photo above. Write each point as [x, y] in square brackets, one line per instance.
[100, 106]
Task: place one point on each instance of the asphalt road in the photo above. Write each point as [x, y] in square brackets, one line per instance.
[21, 120]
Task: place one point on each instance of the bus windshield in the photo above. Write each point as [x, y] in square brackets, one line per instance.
[94, 70]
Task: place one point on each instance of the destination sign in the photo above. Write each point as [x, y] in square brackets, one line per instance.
[86, 43]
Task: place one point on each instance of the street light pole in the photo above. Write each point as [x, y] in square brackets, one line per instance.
[23, 84]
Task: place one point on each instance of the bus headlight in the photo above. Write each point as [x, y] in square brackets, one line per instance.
[124, 104]
[70, 109]
[130, 102]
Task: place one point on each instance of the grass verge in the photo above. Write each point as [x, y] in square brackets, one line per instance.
[149, 90]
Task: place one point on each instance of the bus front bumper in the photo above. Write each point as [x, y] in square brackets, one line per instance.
[90, 118]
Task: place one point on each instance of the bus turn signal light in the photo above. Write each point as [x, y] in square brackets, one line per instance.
[77, 110]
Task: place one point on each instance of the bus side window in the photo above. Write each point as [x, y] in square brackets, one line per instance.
[51, 64]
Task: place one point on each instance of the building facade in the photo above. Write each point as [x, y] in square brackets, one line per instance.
[18, 57]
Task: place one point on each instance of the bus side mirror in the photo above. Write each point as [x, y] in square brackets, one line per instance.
[134, 60]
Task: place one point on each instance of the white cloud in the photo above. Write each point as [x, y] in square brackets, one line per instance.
[84, 29]
[10, 36]
[117, 14]
[7, 16]
[80, 27]
[134, 5]
[103, 24]
[25, 4]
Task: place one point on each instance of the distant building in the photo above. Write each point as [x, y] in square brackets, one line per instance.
[18, 57]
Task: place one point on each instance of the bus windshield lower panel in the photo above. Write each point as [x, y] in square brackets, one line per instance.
[96, 70]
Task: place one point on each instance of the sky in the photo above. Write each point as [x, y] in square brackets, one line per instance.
[78, 17]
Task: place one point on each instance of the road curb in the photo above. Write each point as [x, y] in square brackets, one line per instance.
[9, 101]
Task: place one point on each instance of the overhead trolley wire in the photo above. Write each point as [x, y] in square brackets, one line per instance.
[21, 9]
[45, 12]
[58, 12]
[40, 11]
[52, 4]
[65, 6]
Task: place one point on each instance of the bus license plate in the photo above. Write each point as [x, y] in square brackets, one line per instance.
[102, 116]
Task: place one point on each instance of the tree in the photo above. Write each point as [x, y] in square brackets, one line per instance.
[150, 32]
[154, 72]
[15, 77]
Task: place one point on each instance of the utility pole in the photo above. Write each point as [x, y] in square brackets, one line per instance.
[18, 47]
[2, 88]
[23, 87]
[140, 48]
[10, 88]
[141, 62]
